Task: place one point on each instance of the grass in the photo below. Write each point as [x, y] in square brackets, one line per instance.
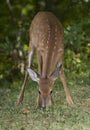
[60, 116]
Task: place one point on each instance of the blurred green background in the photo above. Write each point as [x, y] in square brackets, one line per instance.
[15, 19]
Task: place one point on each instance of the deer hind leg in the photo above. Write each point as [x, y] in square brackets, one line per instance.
[21, 94]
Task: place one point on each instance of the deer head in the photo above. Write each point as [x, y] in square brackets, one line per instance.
[44, 98]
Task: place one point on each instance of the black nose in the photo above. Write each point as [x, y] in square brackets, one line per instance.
[44, 105]
[44, 102]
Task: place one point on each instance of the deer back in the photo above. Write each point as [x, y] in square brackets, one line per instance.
[46, 36]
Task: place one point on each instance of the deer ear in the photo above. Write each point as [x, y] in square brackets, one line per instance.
[33, 75]
[55, 74]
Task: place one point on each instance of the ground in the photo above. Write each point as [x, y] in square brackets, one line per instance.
[60, 116]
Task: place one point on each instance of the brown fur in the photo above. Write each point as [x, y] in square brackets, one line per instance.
[46, 38]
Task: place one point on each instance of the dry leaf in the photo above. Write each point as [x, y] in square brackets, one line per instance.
[25, 110]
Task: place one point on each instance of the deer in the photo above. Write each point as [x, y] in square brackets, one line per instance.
[47, 41]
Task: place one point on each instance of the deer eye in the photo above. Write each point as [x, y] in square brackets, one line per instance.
[51, 92]
[39, 92]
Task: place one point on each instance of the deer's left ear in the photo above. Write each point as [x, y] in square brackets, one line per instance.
[55, 74]
[33, 75]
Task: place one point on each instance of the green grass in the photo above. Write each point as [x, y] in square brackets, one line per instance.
[60, 116]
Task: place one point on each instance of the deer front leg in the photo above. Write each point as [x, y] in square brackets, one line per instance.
[21, 95]
[40, 63]
[63, 80]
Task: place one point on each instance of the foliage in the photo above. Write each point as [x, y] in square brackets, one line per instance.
[77, 48]
[15, 19]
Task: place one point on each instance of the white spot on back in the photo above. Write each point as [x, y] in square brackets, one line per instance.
[48, 27]
[55, 37]
[55, 42]
[60, 50]
[54, 47]
[55, 34]
[46, 47]
[47, 41]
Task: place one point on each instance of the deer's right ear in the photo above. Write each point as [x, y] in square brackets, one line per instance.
[33, 75]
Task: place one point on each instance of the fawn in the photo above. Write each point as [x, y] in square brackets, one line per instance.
[46, 39]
